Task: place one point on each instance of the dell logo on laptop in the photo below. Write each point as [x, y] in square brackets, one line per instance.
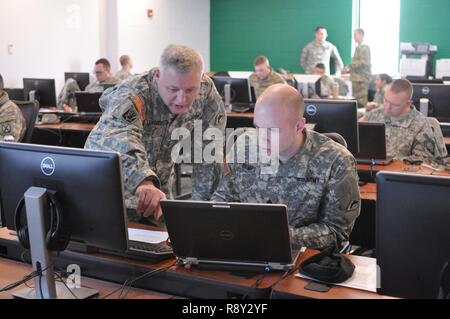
[48, 166]
[426, 90]
[311, 110]
[226, 235]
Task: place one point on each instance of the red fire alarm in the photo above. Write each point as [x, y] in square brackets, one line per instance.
[149, 13]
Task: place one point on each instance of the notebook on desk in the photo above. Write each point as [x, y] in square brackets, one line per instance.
[230, 236]
[372, 144]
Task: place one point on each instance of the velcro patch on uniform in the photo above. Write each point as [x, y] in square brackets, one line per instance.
[6, 128]
[130, 116]
[140, 107]
[354, 204]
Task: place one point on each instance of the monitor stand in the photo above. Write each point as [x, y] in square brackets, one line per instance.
[42, 257]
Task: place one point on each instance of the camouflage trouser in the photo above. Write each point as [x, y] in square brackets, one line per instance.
[360, 92]
[67, 95]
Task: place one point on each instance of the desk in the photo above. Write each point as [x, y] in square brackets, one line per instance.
[368, 191]
[193, 283]
[367, 173]
[12, 271]
[294, 287]
[62, 134]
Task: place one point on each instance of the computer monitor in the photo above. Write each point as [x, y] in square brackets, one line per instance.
[81, 78]
[412, 233]
[239, 89]
[335, 116]
[439, 99]
[86, 184]
[16, 94]
[44, 90]
[423, 79]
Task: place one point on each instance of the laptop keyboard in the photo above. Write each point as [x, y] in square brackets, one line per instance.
[159, 248]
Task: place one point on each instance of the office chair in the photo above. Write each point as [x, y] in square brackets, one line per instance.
[337, 138]
[30, 111]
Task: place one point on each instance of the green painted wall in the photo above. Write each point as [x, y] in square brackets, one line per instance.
[426, 21]
[243, 29]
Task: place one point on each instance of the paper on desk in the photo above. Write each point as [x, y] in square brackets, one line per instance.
[364, 278]
[147, 236]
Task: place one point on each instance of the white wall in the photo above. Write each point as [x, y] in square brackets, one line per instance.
[49, 37]
[174, 21]
[54, 36]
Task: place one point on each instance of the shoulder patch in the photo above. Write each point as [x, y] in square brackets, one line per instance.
[352, 205]
[130, 116]
[6, 128]
[220, 118]
[139, 106]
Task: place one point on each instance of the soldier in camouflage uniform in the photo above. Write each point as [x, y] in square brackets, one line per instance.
[316, 177]
[381, 81]
[320, 51]
[326, 82]
[408, 133]
[12, 122]
[360, 69]
[102, 69]
[127, 65]
[264, 76]
[139, 117]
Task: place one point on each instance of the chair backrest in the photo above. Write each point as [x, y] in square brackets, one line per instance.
[337, 138]
[435, 126]
[30, 111]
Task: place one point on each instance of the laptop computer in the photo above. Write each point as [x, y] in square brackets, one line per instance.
[87, 103]
[229, 236]
[372, 144]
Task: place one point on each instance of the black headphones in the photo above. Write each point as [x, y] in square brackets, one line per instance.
[58, 234]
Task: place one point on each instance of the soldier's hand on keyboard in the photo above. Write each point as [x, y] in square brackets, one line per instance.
[149, 197]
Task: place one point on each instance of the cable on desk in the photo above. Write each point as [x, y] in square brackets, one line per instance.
[256, 284]
[128, 283]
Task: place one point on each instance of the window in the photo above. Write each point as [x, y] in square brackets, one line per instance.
[381, 23]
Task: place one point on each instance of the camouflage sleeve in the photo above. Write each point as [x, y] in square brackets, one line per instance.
[304, 58]
[67, 94]
[361, 59]
[337, 59]
[206, 175]
[426, 146]
[12, 122]
[120, 129]
[226, 192]
[338, 209]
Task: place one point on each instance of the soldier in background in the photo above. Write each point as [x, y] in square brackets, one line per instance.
[102, 70]
[316, 177]
[127, 65]
[381, 82]
[139, 117]
[320, 51]
[326, 82]
[408, 133]
[360, 69]
[264, 76]
[12, 122]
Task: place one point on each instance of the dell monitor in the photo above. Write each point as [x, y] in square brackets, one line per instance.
[412, 234]
[81, 78]
[239, 89]
[439, 99]
[44, 90]
[334, 116]
[86, 187]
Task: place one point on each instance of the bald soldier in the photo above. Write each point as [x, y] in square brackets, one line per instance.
[408, 133]
[12, 122]
[139, 117]
[316, 177]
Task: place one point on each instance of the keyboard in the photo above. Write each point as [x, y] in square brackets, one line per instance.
[148, 252]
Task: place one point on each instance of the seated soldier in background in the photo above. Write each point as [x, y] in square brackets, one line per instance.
[127, 65]
[264, 76]
[326, 82]
[102, 70]
[12, 122]
[409, 135]
[381, 81]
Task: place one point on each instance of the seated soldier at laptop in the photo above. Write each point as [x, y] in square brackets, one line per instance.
[315, 178]
[409, 136]
[264, 76]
